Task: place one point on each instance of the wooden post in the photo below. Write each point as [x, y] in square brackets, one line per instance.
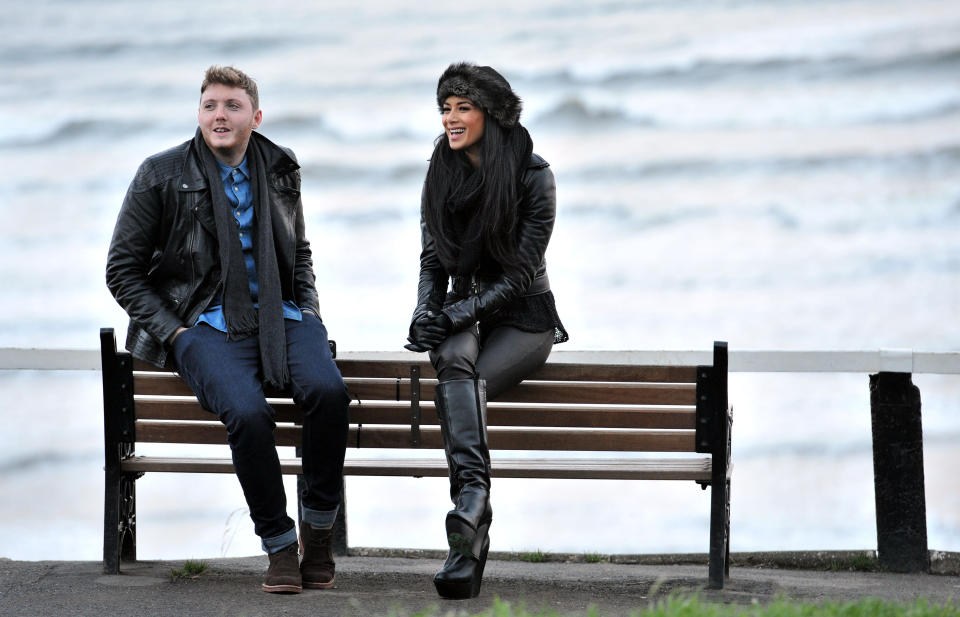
[898, 473]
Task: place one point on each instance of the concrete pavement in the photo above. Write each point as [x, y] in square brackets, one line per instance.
[378, 584]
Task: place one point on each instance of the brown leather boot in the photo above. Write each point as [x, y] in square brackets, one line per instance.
[317, 568]
[283, 575]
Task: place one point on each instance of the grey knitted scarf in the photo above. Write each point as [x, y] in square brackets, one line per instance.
[243, 320]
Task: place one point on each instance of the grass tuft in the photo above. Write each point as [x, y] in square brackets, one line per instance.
[536, 556]
[856, 563]
[679, 605]
[190, 569]
[594, 557]
[692, 606]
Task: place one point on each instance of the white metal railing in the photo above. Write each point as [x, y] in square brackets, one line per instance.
[746, 361]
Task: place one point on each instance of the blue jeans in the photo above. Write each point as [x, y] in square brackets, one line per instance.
[225, 375]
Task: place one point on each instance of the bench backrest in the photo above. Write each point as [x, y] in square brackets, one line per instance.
[564, 406]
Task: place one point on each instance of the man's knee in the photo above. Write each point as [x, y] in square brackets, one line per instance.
[325, 396]
[247, 420]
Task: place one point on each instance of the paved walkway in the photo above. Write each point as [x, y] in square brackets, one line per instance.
[402, 586]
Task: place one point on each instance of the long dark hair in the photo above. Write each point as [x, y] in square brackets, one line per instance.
[503, 154]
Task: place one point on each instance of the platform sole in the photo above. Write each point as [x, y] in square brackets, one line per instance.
[464, 589]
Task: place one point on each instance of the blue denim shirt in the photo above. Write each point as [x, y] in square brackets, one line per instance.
[236, 184]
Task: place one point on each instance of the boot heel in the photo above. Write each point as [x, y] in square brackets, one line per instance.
[481, 564]
[481, 543]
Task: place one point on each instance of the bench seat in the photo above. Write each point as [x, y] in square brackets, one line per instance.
[587, 420]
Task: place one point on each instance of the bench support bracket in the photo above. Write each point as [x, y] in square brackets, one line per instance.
[120, 495]
[712, 397]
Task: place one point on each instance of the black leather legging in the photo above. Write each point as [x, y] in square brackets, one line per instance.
[505, 358]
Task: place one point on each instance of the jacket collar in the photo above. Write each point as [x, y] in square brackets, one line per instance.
[537, 162]
[278, 161]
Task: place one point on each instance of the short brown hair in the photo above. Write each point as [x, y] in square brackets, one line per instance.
[229, 76]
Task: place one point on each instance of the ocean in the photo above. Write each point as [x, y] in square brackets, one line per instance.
[776, 174]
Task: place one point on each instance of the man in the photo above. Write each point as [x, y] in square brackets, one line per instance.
[210, 261]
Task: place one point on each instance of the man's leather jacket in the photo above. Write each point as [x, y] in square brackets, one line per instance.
[525, 275]
[163, 266]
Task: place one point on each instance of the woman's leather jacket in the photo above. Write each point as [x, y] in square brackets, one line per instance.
[471, 301]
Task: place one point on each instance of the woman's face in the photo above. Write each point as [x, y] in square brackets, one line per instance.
[463, 124]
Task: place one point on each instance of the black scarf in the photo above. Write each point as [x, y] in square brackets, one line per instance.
[463, 206]
[243, 320]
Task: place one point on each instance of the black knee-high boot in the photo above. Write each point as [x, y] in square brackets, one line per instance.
[461, 409]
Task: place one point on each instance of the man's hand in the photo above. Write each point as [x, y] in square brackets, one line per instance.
[175, 334]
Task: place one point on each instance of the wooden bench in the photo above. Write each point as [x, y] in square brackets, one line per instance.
[564, 407]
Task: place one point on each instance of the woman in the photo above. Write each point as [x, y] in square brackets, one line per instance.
[487, 213]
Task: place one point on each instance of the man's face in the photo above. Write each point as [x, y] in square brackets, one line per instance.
[226, 119]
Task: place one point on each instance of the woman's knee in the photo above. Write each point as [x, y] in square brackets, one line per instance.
[456, 358]
[510, 356]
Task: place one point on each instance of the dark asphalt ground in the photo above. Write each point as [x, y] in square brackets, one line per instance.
[402, 586]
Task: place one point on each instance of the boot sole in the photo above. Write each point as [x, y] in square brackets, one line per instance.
[281, 588]
[462, 590]
[328, 585]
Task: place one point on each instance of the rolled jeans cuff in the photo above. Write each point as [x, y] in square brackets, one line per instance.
[278, 543]
[319, 519]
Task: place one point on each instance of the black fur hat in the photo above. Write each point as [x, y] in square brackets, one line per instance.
[485, 87]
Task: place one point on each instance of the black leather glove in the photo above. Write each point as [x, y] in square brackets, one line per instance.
[428, 332]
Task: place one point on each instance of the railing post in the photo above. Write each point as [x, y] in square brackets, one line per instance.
[898, 473]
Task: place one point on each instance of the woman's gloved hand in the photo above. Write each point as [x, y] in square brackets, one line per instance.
[428, 332]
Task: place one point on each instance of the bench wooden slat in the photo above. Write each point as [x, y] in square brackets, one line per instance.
[596, 392]
[499, 438]
[169, 384]
[497, 414]
[552, 371]
[696, 469]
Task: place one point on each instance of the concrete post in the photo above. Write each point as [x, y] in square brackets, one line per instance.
[898, 473]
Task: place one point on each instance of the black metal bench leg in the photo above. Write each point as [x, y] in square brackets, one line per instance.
[726, 559]
[719, 534]
[119, 436]
[339, 540]
[128, 517]
[119, 520]
[339, 543]
[111, 523]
